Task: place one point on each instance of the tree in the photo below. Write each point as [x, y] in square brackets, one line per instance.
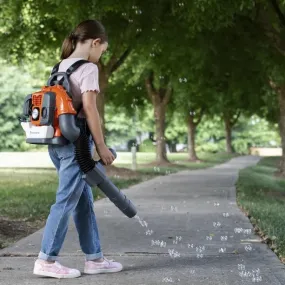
[31, 29]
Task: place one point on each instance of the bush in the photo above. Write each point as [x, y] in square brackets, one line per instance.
[212, 147]
[147, 146]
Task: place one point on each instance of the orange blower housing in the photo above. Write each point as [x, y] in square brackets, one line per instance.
[49, 114]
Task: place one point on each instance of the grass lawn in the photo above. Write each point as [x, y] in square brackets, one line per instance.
[27, 195]
[261, 194]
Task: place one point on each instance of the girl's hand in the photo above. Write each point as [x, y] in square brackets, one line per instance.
[105, 154]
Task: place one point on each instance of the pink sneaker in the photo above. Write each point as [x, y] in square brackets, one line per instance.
[55, 270]
[107, 266]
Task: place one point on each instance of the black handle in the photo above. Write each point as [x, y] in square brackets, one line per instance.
[64, 81]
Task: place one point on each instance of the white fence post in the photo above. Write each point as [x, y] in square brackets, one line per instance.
[134, 158]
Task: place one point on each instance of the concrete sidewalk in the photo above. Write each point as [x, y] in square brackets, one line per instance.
[208, 239]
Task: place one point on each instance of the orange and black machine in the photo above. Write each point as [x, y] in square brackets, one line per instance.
[49, 117]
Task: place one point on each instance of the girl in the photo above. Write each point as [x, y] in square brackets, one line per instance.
[74, 196]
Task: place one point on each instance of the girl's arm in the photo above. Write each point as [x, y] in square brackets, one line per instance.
[93, 120]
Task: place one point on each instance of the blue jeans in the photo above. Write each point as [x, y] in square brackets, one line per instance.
[74, 196]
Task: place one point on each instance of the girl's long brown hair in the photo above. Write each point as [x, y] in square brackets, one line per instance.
[89, 29]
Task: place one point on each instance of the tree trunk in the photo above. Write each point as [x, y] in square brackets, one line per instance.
[159, 115]
[281, 97]
[228, 129]
[191, 138]
[159, 98]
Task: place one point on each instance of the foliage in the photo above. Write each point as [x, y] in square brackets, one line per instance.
[147, 146]
[249, 131]
[15, 84]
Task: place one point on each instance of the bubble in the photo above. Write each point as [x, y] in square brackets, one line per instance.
[247, 231]
[167, 280]
[142, 222]
[216, 224]
[106, 213]
[248, 248]
[173, 253]
[149, 232]
[253, 274]
[245, 274]
[238, 230]
[257, 279]
[177, 239]
[222, 250]
[173, 209]
[224, 238]
[241, 267]
[200, 248]
[159, 243]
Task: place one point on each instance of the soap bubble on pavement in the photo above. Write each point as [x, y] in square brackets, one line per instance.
[226, 215]
[248, 248]
[241, 230]
[173, 253]
[199, 250]
[159, 243]
[254, 274]
[167, 280]
[216, 224]
[177, 239]
[149, 232]
[173, 209]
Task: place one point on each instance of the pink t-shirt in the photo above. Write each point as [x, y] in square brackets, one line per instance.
[85, 78]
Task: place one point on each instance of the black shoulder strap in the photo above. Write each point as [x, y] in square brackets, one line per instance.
[71, 69]
[68, 72]
[54, 74]
[75, 65]
[55, 68]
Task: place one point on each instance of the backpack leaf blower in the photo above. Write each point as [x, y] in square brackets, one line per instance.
[49, 117]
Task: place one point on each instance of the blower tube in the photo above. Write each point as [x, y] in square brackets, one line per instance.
[92, 174]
